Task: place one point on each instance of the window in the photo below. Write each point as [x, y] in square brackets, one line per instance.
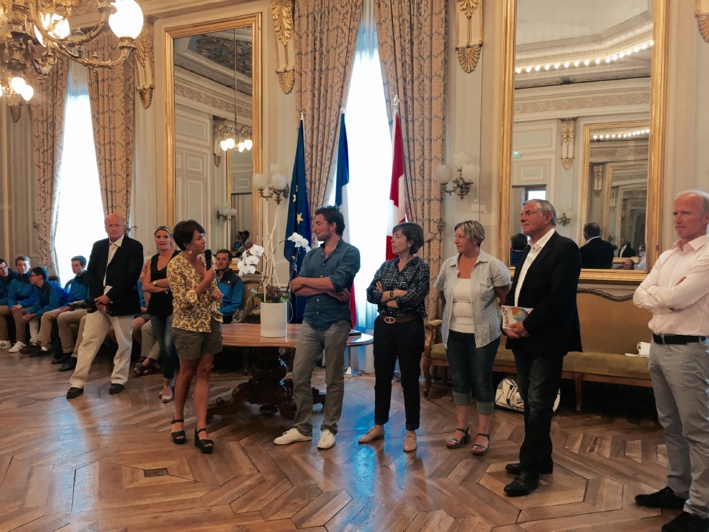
[80, 208]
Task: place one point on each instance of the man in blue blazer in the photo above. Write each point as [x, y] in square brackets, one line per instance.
[546, 281]
[114, 268]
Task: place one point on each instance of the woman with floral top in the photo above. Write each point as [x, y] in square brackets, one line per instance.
[196, 327]
[469, 284]
[399, 288]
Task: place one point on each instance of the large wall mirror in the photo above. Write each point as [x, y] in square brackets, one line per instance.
[213, 85]
[583, 120]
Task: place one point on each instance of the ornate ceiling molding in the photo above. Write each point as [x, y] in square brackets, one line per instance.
[282, 16]
[468, 32]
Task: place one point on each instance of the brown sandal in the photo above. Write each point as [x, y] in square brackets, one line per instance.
[141, 369]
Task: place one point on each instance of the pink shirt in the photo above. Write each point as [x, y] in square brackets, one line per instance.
[678, 308]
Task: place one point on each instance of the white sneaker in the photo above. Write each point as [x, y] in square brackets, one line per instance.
[16, 348]
[291, 436]
[327, 439]
[4, 344]
[45, 349]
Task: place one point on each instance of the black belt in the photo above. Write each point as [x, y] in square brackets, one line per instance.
[398, 319]
[677, 339]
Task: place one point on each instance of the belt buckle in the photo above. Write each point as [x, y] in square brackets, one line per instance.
[662, 339]
[389, 319]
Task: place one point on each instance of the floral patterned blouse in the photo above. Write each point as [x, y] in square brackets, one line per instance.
[190, 313]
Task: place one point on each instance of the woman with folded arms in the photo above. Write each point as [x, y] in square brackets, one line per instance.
[469, 285]
[399, 288]
[154, 279]
[196, 328]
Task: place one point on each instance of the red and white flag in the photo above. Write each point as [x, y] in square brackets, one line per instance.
[397, 192]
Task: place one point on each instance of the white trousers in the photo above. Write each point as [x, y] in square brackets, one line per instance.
[97, 326]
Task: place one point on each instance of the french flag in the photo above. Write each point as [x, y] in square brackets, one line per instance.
[397, 192]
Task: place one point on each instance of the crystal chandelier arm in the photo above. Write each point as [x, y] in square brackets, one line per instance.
[125, 45]
[104, 10]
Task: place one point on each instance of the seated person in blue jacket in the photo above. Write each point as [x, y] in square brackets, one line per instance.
[230, 285]
[46, 296]
[78, 289]
[18, 290]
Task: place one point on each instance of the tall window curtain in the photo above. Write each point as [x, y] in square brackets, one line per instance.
[47, 128]
[325, 39]
[412, 50]
[112, 95]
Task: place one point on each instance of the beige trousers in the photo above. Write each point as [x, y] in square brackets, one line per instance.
[68, 322]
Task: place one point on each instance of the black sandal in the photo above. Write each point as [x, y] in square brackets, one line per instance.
[453, 443]
[179, 437]
[481, 450]
[205, 446]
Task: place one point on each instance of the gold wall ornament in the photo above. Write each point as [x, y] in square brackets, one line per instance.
[598, 172]
[568, 127]
[282, 16]
[702, 14]
[145, 63]
[469, 32]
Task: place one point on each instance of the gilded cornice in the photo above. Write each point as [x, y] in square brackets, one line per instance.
[282, 16]
[469, 33]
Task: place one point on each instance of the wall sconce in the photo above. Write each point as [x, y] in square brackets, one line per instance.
[225, 213]
[468, 173]
[277, 189]
[564, 219]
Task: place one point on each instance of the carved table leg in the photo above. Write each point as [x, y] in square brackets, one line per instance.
[246, 391]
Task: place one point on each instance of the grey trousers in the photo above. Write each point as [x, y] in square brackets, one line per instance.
[680, 380]
[311, 344]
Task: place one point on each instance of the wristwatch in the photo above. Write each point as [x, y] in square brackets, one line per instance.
[391, 294]
[155, 284]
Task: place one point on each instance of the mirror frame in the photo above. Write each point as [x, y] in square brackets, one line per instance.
[658, 104]
[585, 204]
[186, 30]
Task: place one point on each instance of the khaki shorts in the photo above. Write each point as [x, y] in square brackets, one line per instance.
[191, 345]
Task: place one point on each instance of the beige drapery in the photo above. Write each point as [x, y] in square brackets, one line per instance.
[412, 49]
[325, 40]
[112, 96]
[47, 111]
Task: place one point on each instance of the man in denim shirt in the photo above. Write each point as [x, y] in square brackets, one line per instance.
[325, 278]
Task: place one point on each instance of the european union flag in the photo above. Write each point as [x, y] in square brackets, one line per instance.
[298, 219]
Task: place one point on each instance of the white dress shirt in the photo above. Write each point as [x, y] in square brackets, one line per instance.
[676, 291]
[112, 248]
[536, 248]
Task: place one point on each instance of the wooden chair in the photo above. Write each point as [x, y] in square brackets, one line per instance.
[434, 354]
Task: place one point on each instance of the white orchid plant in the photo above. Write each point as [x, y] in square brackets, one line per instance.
[271, 288]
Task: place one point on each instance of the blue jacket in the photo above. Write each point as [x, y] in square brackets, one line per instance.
[20, 288]
[5, 285]
[50, 297]
[78, 288]
[232, 289]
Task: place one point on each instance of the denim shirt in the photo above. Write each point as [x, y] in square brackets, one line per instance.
[340, 266]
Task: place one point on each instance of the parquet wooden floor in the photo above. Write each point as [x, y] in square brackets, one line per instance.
[104, 462]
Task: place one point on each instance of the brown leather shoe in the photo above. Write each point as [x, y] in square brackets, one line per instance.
[375, 433]
[410, 441]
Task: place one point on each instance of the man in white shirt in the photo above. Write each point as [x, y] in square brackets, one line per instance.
[676, 291]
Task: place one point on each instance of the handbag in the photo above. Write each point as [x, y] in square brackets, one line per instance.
[507, 396]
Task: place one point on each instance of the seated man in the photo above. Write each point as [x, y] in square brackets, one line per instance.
[78, 289]
[18, 290]
[230, 285]
[46, 297]
[6, 277]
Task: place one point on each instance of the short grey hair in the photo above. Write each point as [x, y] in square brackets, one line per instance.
[473, 230]
[704, 196]
[544, 207]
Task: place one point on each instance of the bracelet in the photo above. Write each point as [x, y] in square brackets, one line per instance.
[391, 294]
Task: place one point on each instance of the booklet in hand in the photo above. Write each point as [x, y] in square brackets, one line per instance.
[512, 314]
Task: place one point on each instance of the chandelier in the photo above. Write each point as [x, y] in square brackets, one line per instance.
[233, 136]
[34, 32]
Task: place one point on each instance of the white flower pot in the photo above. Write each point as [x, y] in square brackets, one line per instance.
[274, 319]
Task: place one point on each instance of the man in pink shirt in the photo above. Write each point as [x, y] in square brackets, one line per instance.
[676, 291]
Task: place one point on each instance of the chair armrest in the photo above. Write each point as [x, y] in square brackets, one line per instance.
[433, 331]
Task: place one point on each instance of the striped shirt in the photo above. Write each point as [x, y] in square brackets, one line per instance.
[488, 273]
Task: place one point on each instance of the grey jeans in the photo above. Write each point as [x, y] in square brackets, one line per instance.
[311, 344]
[680, 380]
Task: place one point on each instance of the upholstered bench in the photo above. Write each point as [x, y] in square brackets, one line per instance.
[610, 327]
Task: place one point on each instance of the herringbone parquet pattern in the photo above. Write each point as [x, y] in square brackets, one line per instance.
[104, 462]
